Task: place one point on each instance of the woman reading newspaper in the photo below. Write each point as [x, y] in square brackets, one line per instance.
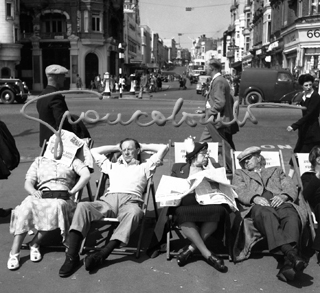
[204, 205]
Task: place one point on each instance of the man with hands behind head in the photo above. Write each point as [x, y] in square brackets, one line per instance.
[267, 196]
[123, 199]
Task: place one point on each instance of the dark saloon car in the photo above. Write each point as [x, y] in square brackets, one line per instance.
[12, 89]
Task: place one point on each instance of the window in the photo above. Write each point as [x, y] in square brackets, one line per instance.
[315, 7]
[96, 22]
[9, 11]
[54, 23]
[248, 19]
[284, 77]
[247, 44]
[86, 21]
[132, 47]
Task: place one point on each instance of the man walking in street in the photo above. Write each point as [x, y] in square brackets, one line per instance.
[52, 108]
[219, 101]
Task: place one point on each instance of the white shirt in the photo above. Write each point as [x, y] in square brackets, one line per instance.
[307, 96]
[208, 106]
[127, 178]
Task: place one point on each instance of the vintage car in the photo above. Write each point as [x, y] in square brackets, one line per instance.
[13, 89]
[203, 81]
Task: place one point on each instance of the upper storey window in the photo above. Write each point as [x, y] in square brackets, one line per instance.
[315, 7]
[53, 23]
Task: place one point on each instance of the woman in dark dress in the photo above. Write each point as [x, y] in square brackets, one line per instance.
[311, 191]
[308, 126]
[196, 221]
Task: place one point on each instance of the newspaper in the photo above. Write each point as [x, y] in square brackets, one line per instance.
[71, 144]
[211, 187]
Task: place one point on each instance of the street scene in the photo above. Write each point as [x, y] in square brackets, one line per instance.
[145, 274]
[159, 146]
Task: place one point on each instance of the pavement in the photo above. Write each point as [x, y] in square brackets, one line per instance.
[124, 273]
[116, 95]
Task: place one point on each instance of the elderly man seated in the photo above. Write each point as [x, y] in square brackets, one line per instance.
[267, 197]
[128, 179]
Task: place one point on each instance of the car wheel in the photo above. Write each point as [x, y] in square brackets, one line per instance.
[7, 97]
[253, 98]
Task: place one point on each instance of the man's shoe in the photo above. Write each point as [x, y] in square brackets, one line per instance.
[5, 213]
[217, 263]
[92, 261]
[183, 256]
[298, 263]
[70, 266]
[286, 273]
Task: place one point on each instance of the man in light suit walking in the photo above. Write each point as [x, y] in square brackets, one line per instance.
[220, 101]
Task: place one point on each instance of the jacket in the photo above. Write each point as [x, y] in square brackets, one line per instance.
[51, 110]
[221, 101]
[308, 126]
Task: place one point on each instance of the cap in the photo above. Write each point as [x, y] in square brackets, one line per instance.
[197, 148]
[56, 69]
[247, 152]
[215, 62]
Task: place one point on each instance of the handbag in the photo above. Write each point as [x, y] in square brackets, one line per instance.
[60, 194]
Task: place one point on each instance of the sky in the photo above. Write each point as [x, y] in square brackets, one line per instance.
[169, 18]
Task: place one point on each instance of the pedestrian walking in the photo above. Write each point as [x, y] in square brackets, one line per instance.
[79, 82]
[308, 126]
[219, 100]
[52, 108]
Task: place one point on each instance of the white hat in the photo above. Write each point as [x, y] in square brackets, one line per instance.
[56, 69]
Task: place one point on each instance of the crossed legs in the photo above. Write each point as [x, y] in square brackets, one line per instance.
[198, 235]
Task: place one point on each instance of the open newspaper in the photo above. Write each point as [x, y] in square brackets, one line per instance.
[210, 186]
[71, 146]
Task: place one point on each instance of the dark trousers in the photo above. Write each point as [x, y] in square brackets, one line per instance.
[280, 226]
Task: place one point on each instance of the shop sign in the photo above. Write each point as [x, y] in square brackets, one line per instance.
[273, 46]
[259, 52]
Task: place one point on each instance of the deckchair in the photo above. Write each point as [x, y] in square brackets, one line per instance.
[104, 228]
[272, 159]
[177, 155]
[301, 165]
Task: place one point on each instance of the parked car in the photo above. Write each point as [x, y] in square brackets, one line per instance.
[12, 89]
[202, 79]
[265, 85]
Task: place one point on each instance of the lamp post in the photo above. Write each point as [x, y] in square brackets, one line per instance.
[121, 56]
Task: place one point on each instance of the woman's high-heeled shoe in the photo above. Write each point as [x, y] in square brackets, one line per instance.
[217, 263]
[183, 257]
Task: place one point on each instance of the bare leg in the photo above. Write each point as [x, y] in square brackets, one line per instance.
[37, 238]
[17, 241]
[191, 231]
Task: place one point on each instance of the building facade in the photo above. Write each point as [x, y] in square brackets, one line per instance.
[10, 48]
[81, 35]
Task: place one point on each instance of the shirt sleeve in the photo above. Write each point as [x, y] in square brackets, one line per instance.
[77, 165]
[151, 165]
[32, 173]
[102, 161]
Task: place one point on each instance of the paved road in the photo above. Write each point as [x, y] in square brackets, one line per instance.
[125, 273]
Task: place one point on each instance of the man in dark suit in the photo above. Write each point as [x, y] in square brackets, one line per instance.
[220, 101]
[52, 108]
